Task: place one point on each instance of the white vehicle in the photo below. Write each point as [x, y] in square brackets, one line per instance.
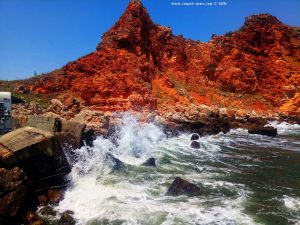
[5, 112]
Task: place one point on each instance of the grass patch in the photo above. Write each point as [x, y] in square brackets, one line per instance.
[7, 86]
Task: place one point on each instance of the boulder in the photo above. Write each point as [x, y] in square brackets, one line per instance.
[43, 200]
[149, 162]
[267, 131]
[115, 163]
[36, 152]
[57, 107]
[195, 137]
[195, 144]
[183, 187]
[13, 191]
[66, 219]
[93, 119]
[71, 134]
[54, 196]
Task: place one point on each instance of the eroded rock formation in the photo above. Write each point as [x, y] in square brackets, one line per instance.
[141, 65]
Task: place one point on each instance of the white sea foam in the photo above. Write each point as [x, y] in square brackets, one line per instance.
[284, 128]
[137, 195]
[136, 141]
[292, 203]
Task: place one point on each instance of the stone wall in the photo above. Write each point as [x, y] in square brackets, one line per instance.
[66, 132]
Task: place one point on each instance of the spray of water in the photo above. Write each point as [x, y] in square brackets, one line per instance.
[135, 194]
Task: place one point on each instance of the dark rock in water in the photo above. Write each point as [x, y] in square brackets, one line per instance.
[47, 211]
[149, 162]
[183, 187]
[195, 144]
[54, 196]
[13, 191]
[43, 200]
[66, 219]
[32, 218]
[268, 131]
[116, 163]
[195, 137]
[70, 212]
[88, 137]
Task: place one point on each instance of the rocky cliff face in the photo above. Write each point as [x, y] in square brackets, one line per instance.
[142, 65]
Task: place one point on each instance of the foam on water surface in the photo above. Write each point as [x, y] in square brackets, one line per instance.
[284, 128]
[136, 194]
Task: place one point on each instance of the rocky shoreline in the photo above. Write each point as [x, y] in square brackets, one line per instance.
[241, 79]
[33, 162]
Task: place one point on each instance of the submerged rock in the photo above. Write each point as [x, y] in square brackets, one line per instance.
[13, 190]
[66, 219]
[116, 163]
[150, 162]
[183, 187]
[268, 131]
[195, 144]
[195, 137]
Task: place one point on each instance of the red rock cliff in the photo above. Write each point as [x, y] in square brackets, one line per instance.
[142, 65]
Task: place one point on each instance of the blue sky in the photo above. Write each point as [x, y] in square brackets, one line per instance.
[43, 35]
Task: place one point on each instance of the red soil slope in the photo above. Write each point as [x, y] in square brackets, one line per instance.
[142, 65]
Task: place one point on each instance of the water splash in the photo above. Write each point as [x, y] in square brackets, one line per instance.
[285, 128]
[136, 141]
[136, 194]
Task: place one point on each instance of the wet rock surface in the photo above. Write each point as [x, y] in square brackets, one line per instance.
[32, 218]
[195, 137]
[195, 144]
[183, 187]
[54, 196]
[150, 162]
[267, 131]
[67, 219]
[13, 191]
[47, 211]
[43, 200]
[115, 163]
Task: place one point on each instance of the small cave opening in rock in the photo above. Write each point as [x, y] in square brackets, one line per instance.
[125, 44]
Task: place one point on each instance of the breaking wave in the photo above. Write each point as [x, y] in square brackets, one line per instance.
[101, 192]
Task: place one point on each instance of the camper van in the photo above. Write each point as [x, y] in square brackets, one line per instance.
[5, 112]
